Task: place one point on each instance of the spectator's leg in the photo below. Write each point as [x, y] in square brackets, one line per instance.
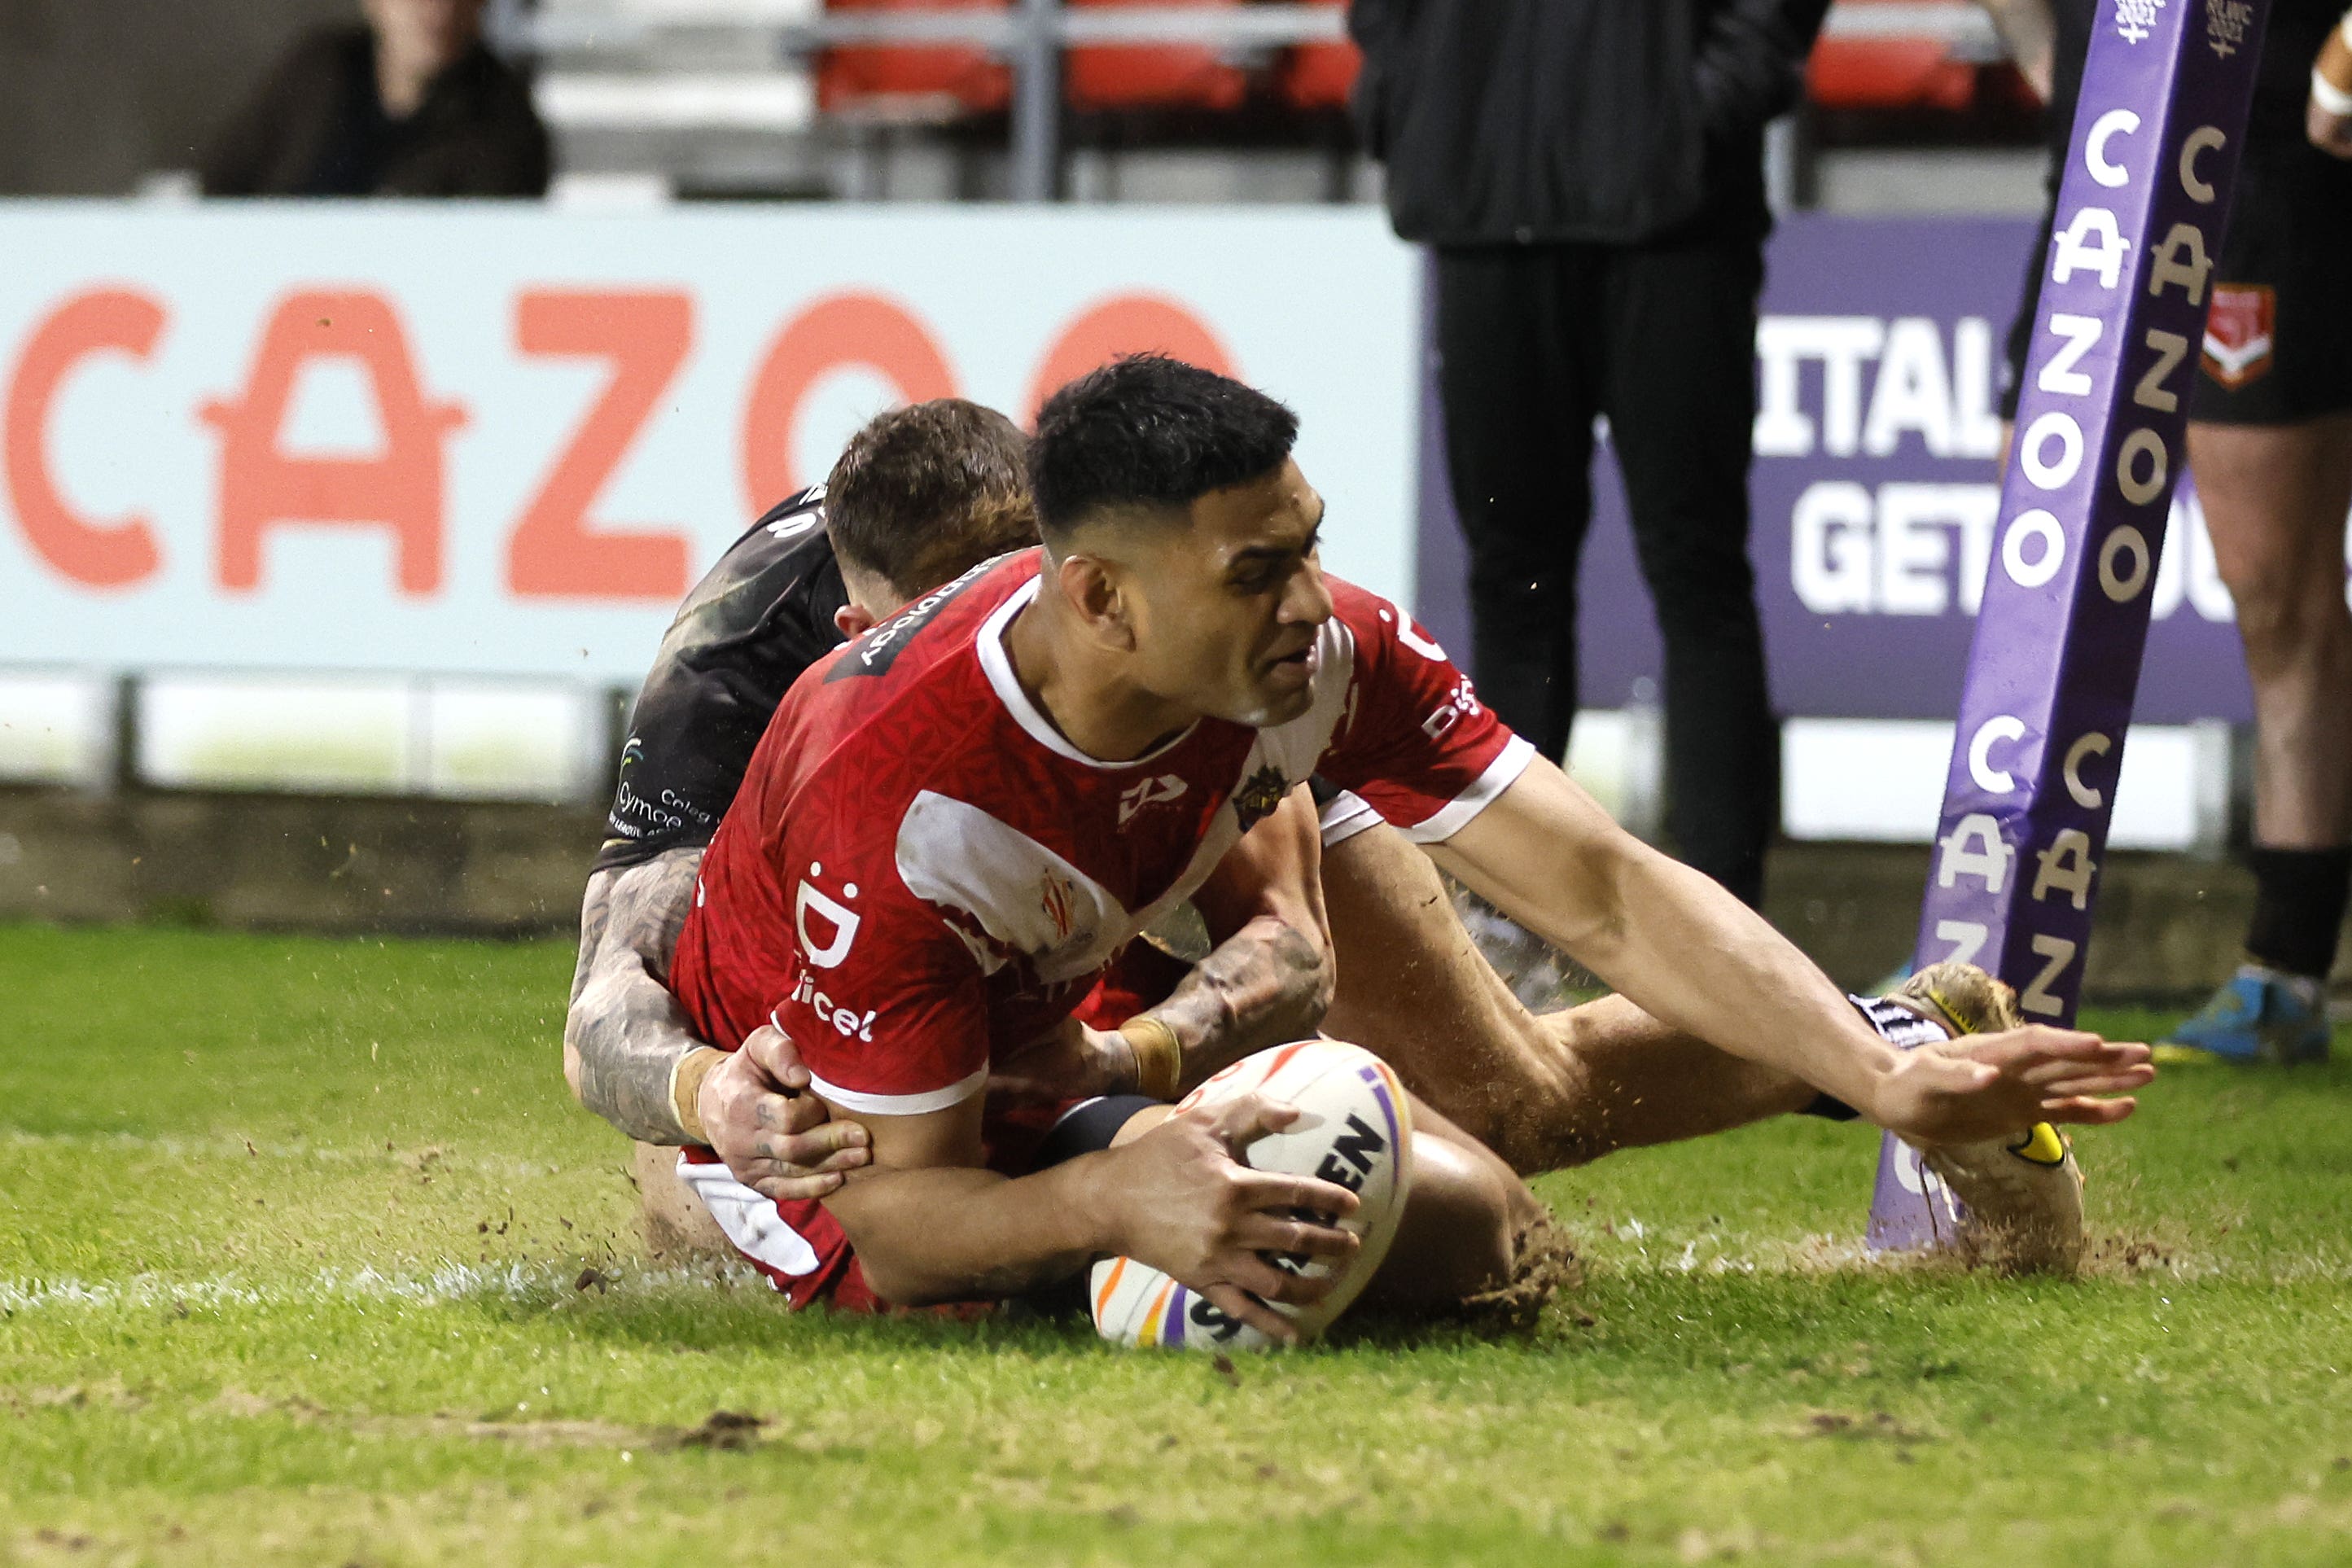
[2275, 499]
[1519, 443]
[1681, 400]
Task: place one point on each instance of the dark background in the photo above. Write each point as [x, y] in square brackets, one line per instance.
[95, 93]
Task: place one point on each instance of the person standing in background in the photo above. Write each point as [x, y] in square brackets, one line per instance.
[2270, 441]
[2270, 445]
[410, 103]
[1590, 174]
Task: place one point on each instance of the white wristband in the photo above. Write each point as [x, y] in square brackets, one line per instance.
[2331, 97]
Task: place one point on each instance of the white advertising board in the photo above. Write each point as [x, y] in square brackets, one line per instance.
[502, 441]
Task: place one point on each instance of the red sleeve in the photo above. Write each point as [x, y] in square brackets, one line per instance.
[1414, 741]
[885, 1003]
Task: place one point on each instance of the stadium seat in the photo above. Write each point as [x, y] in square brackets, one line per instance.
[1317, 77]
[1889, 71]
[1152, 76]
[912, 82]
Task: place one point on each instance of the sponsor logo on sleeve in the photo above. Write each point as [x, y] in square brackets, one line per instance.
[1459, 704]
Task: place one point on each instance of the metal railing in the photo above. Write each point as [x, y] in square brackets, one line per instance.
[1031, 34]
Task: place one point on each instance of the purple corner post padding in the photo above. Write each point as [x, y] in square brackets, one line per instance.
[2054, 663]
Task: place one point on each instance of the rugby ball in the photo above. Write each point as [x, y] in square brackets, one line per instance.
[1355, 1129]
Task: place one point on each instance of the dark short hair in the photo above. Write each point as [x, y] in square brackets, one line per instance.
[924, 493]
[1150, 432]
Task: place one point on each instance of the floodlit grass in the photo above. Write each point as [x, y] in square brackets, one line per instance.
[295, 1242]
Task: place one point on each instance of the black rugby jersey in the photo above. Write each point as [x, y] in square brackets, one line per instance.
[757, 619]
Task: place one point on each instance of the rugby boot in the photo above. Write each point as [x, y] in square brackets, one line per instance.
[2021, 1198]
[2262, 1017]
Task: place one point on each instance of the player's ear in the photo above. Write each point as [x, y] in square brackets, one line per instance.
[851, 621]
[1096, 591]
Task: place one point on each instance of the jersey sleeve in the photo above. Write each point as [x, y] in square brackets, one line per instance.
[887, 1005]
[1414, 741]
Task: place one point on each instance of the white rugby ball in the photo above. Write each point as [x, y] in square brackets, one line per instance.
[1355, 1129]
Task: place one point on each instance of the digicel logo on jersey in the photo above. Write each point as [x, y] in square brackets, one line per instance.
[641, 340]
[829, 952]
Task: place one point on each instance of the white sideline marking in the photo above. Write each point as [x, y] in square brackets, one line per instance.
[230, 1143]
[450, 1282]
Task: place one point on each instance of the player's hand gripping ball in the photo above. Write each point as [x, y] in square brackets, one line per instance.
[1354, 1128]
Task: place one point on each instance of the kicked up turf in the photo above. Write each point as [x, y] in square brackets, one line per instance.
[306, 1257]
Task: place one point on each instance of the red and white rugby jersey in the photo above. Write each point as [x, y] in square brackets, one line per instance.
[919, 867]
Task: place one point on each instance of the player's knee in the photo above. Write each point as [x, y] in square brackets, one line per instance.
[2277, 620]
[1456, 1239]
[1536, 1121]
[676, 1226]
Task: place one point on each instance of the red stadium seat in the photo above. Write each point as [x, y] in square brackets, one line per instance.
[1318, 76]
[1152, 76]
[925, 81]
[1893, 72]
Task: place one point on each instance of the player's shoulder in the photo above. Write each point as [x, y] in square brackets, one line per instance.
[790, 540]
[1372, 617]
[782, 568]
[901, 692]
[941, 629]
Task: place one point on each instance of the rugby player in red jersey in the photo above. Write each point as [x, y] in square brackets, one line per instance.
[1180, 641]
[918, 496]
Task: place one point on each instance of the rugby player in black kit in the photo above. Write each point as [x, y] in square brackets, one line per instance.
[917, 497]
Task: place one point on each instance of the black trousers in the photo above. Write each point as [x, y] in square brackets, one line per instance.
[1533, 342]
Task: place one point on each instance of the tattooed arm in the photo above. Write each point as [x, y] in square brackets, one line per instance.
[1269, 981]
[625, 1040]
[626, 1034]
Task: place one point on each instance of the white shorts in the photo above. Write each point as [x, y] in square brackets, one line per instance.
[1346, 815]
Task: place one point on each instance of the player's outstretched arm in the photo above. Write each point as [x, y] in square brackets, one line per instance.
[1699, 960]
[630, 1056]
[930, 1226]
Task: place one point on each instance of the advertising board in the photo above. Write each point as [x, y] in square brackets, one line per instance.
[1874, 491]
[490, 440]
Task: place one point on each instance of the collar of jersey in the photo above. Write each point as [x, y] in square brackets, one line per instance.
[997, 664]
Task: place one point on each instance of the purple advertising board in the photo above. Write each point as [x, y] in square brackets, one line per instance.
[1874, 491]
[2102, 422]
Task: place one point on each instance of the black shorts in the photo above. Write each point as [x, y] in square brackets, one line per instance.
[1085, 1128]
[2278, 335]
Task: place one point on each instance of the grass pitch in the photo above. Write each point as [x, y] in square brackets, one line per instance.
[306, 1257]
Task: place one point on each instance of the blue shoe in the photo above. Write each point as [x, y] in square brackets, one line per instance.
[2262, 1016]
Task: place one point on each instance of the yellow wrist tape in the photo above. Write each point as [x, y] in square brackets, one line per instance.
[1158, 1058]
[686, 1090]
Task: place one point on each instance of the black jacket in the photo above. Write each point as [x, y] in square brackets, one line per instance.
[317, 128]
[1534, 122]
